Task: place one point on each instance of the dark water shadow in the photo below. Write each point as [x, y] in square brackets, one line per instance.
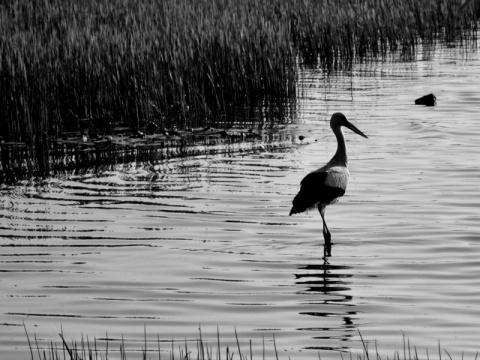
[20, 161]
[325, 288]
[100, 141]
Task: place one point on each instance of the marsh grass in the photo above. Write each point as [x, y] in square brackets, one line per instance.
[67, 65]
[203, 350]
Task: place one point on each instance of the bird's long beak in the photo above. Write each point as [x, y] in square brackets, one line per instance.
[355, 130]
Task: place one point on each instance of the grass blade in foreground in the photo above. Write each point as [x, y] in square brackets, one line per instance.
[205, 351]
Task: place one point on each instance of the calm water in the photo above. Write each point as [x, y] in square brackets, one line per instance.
[207, 241]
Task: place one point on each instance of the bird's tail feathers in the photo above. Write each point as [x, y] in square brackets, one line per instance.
[301, 203]
[296, 210]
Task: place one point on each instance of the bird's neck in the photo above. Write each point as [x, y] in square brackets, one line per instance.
[340, 157]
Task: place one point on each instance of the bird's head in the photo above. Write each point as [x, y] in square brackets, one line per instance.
[338, 120]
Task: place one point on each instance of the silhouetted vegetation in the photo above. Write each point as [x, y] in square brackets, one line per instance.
[95, 67]
[203, 350]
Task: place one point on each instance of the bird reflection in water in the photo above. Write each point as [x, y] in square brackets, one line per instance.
[326, 287]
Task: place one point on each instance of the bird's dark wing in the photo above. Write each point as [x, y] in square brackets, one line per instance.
[313, 190]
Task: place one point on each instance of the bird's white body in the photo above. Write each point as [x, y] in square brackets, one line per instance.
[324, 186]
[337, 177]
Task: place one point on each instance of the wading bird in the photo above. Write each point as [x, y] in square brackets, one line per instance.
[324, 186]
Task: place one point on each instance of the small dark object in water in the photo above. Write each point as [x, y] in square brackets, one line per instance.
[428, 100]
[301, 137]
[224, 134]
[151, 127]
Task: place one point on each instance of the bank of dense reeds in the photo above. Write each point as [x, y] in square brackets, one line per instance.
[65, 64]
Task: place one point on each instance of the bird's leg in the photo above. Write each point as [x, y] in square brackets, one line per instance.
[326, 233]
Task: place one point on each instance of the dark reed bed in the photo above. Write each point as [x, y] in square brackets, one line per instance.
[66, 65]
[92, 67]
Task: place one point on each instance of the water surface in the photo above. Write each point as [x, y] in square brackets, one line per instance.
[207, 241]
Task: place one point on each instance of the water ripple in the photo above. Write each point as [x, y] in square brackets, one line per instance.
[207, 239]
